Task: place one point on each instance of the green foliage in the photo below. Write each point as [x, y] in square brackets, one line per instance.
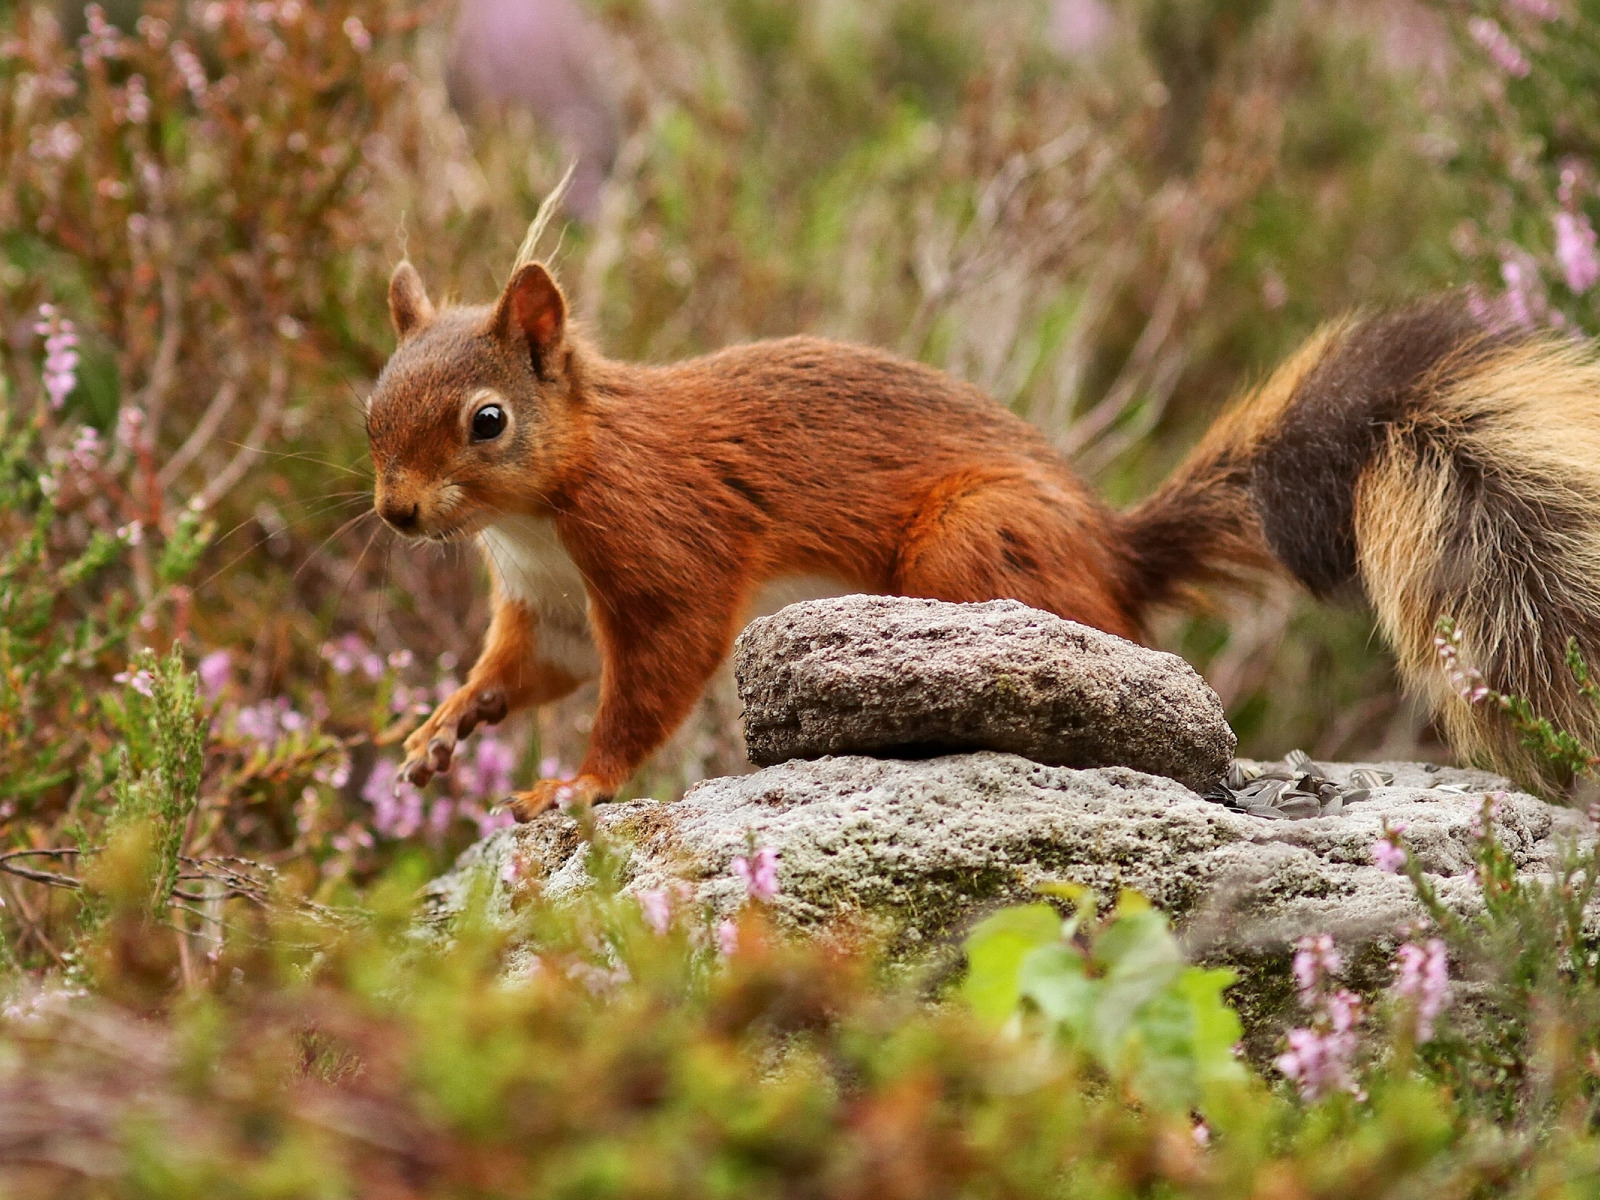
[1108, 238]
[1532, 960]
[157, 784]
[1119, 990]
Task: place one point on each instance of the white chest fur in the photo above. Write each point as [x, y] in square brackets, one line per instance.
[532, 566]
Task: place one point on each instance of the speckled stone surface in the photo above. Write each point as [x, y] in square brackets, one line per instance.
[896, 677]
[923, 847]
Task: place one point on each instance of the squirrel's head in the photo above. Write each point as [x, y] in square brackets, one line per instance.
[474, 413]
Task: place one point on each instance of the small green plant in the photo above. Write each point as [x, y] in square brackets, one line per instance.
[157, 784]
[1117, 989]
[1567, 754]
[1532, 960]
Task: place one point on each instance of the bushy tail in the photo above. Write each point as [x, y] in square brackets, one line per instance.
[1452, 470]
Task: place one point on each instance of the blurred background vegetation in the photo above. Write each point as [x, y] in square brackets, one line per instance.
[1110, 215]
[213, 979]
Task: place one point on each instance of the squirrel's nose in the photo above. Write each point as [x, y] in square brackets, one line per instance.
[402, 516]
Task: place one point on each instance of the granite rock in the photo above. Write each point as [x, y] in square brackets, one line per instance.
[897, 677]
[923, 847]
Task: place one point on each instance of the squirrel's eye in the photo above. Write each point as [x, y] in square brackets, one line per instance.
[488, 423]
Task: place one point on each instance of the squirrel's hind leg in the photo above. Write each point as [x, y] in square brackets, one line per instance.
[1010, 535]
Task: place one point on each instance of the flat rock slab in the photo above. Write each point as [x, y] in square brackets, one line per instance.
[896, 677]
[925, 846]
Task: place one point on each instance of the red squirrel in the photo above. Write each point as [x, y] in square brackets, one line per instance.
[631, 515]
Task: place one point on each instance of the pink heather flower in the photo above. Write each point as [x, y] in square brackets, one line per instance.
[215, 670]
[1422, 976]
[1519, 301]
[351, 651]
[135, 107]
[399, 660]
[336, 774]
[1486, 31]
[515, 868]
[1315, 959]
[85, 454]
[397, 805]
[60, 354]
[1545, 10]
[154, 31]
[1201, 1134]
[1319, 1062]
[268, 721]
[192, 70]
[103, 39]
[760, 877]
[358, 35]
[140, 681]
[132, 533]
[1567, 189]
[1483, 820]
[440, 813]
[129, 423]
[1468, 682]
[1575, 251]
[488, 775]
[1389, 855]
[657, 906]
[727, 938]
[1319, 1056]
[60, 142]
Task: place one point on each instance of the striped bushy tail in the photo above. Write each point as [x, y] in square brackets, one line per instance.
[1452, 469]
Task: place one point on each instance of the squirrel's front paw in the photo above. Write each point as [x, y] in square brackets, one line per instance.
[556, 793]
[431, 746]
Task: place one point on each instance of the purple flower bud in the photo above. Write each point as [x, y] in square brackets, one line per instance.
[657, 906]
[759, 875]
[1388, 856]
[1486, 31]
[215, 670]
[1576, 251]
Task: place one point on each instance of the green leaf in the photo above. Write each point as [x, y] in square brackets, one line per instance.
[1055, 977]
[1140, 957]
[995, 950]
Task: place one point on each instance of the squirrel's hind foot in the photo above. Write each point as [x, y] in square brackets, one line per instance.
[565, 794]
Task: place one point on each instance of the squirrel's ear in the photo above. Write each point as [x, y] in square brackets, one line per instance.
[532, 307]
[409, 306]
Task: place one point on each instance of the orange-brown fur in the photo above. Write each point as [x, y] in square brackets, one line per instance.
[672, 494]
[678, 491]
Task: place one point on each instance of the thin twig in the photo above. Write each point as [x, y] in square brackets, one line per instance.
[253, 448]
[49, 877]
[205, 429]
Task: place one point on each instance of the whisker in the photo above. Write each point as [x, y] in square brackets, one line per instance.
[310, 558]
[300, 518]
[265, 538]
[302, 456]
[360, 558]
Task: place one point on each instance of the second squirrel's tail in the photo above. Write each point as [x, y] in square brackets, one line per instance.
[1449, 468]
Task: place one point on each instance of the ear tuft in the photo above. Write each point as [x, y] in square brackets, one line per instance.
[409, 306]
[533, 309]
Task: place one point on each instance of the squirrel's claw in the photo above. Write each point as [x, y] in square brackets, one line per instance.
[430, 749]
